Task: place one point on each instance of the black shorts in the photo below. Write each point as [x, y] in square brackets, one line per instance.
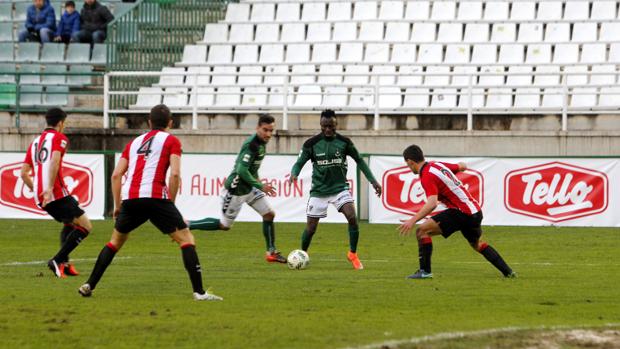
[452, 220]
[161, 212]
[64, 210]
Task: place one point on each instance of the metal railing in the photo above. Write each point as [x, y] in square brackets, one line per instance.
[153, 33]
[372, 90]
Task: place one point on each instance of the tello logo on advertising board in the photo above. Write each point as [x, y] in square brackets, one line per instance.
[14, 192]
[556, 191]
[403, 192]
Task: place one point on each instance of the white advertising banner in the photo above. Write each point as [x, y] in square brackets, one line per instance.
[512, 191]
[84, 175]
[203, 177]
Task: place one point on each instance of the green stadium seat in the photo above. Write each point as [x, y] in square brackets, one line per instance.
[30, 78]
[80, 80]
[6, 52]
[56, 95]
[7, 95]
[59, 79]
[6, 11]
[30, 95]
[27, 52]
[99, 54]
[52, 53]
[5, 73]
[6, 32]
[78, 53]
[21, 9]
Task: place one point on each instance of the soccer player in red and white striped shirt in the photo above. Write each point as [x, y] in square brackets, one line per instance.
[44, 160]
[463, 212]
[145, 196]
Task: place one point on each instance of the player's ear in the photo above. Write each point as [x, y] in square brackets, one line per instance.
[170, 123]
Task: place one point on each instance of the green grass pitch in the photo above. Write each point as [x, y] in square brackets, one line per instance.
[567, 277]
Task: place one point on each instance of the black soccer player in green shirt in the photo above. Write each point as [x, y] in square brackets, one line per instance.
[243, 185]
[328, 152]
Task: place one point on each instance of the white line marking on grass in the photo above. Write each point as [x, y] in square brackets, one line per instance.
[17, 264]
[455, 335]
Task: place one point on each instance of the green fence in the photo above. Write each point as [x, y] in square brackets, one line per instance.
[151, 35]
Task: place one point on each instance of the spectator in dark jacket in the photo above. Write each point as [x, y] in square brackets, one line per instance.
[40, 22]
[69, 23]
[94, 18]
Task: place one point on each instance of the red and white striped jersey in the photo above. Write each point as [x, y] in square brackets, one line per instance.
[39, 157]
[148, 159]
[438, 178]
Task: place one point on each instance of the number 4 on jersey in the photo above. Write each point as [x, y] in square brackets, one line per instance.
[145, 148]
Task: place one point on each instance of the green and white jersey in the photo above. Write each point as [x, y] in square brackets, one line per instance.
[329, 164]
[245, 174]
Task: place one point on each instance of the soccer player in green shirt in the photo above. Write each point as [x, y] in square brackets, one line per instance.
[328, 152]
[243, 185]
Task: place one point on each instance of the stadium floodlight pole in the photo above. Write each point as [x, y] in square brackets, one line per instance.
[470, 117]
[195, 104]
[376, 120]
[106, 101]
[564, 102]
[285, 103]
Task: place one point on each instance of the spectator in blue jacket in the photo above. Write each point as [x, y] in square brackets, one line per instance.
[69, 23]
[40, 22]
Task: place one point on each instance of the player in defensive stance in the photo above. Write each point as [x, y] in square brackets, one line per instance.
[145, 196]
[328, 152]
[243, 185]
[463, 212]
[45, 155]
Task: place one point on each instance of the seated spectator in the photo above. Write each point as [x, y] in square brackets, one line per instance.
[94, 22]
[40, 22]
[69, 23]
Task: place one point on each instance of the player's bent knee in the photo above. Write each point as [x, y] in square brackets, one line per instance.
[183, 237]
[269, 216]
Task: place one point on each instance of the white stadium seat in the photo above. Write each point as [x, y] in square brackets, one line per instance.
[416, 98]
[577, 10]
[287, 12]
[585, 32]
[579, 79]
[293, 33]
[609, 31]
[403, 53]
[423, 32]
[552, 98]
[335, 97]
[484, 54]
[267, 32]
[410, 75]
[450, 32]
[390, 97]
[463, 79]
[491, 76]
[504, 33]
[363, 10]
[477, 98]
[194, 54]
[397, 31]
[220, 54]
[361, 74]
[444, 98]
[345, 31]
[443, 10]
[339, 11]
[417, 10]
[335, 71]
[297, 53]
[527, 98]
[176, 78]
[318, 32]
[496, 11]
[254, 97]
[603, 10]
[175, 97]
[377, 53]
[387, 75]
[203, 74]
[276, 97]
[206, 97]
[557, 32]
[614, 53]
[371, 31]
[263, 12]
[609, 97]
[228, 97]
[603, 79]
[547, 76]
[271, 53]
[237, 12]
[250, 75]
[148, 97]
[470, 10]
[549, 10]
[437, 76]
[530, 32]
[275, 75]
[583, 97]
[224, 75]
[323, 53]
[313, 11]
[476, 32]
[456, 54]
[566, 53]
[538, 53]
[308, 97]
[524, 77]
[499, 98]
[511, 54]
[216, 32]
[246, 54]
[430, 53]
[391, 10]
[362, 97]
[594, 53]
[303, 74]
[523, 11]
[351, 52]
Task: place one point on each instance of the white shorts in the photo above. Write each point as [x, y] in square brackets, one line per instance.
[231, 205]
[317, 207]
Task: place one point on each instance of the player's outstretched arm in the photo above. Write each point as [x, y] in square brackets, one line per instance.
[304, 156]
[429, 206]
[25, 175]
[117, 177]
[174, 180]
[353, 153]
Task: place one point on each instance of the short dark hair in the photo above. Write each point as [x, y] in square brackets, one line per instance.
[413, 153]
[265, 119]
[55, 115]
[328, 114]
[160, 116]
[70, 3]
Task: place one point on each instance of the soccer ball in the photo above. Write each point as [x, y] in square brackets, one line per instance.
[298, 259]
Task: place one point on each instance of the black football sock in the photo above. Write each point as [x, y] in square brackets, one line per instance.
[425, 250]
[354, 235]
[205, 224]
[192, 265]
[64, 233]
[73, 240]
[270, 235]
[105, 258]
[306, 239]
[493, 256]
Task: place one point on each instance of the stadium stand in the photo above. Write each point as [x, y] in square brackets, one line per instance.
[40, 67]
[516, 56]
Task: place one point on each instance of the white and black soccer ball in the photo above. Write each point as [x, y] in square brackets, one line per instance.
[298, 259]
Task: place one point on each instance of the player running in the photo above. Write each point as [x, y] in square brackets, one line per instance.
[328, 152]
[243, 185]
[441, 185]
[45, 156]
[145, 196]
